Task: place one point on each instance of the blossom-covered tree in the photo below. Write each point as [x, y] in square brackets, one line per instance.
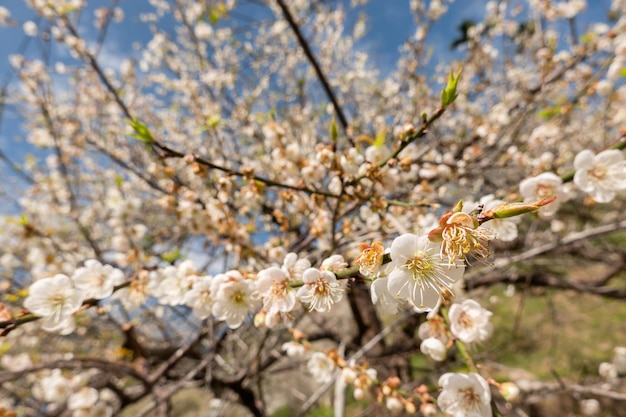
[248, 193]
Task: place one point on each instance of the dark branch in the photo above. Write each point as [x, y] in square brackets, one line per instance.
[318, 71]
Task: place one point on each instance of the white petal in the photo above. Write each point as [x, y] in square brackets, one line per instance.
[581, 179]
[609, 157]
[584, 160]
[398, 283]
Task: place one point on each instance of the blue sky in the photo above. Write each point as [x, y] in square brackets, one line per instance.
[390, 24]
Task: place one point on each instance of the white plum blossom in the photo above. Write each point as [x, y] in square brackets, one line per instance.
[419, 274]
[464, 395]
[55, 299]
[321, 367]
[601, 175]
[379, 291]
[590, 407]
[469, 322]
[619, 359]
[96, 280]
[351, 161]
[199, 296]
[334, 263]
[278, 296]
[4, 15]
[30, 28]
[377, 154]
[434, 348]
[171, 284]
[294, 349]
[16, 363]
[394, 405]
[234, 298]
[86, 397]
[608, 371]
[320, 290]
[542, 186]
[53, 388]
[433, 327]
[294, 267]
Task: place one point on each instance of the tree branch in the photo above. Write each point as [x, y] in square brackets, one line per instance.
[318, 71]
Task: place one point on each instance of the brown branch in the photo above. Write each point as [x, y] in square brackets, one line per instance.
[119, 369]
[502, 263]
[540, 279]
[318, 70]
[545, 387]
[176, 356]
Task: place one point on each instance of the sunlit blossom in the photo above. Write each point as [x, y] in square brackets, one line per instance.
[274, 287]
[460, 235]
[294, 349]
[464, 395]
[380, 294]
[53, 388]
[601, 175]
[199, 296]
[97, 280]
[234, 299]
[469, 322]
[433, 348]
[86, 397]
[370, 259]
[419, 273]
[320, 290]
[54, 299]
[544, 186]
[321, 367]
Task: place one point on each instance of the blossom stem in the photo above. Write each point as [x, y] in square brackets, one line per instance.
[461, 347]
[345, 273]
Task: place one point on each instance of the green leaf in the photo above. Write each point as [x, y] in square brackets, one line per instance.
[333, 130]
[550, 112]
[142, 132]
[171, 256]
[506, 210]
[380, 138]
[448, 94]
[211, 123]
[622, 72]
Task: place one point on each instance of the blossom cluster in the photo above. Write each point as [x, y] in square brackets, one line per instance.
[57, 298]
[601, 176]
[241, 168]
[461, 394]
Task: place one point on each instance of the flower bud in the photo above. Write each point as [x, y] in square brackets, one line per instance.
[428, 409]
[515, 209]
[394, 405]
[359, 394]
[509, 391]
[590, 407]
[434, 348]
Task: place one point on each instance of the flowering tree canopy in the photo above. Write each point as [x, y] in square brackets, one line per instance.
[248, 193]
